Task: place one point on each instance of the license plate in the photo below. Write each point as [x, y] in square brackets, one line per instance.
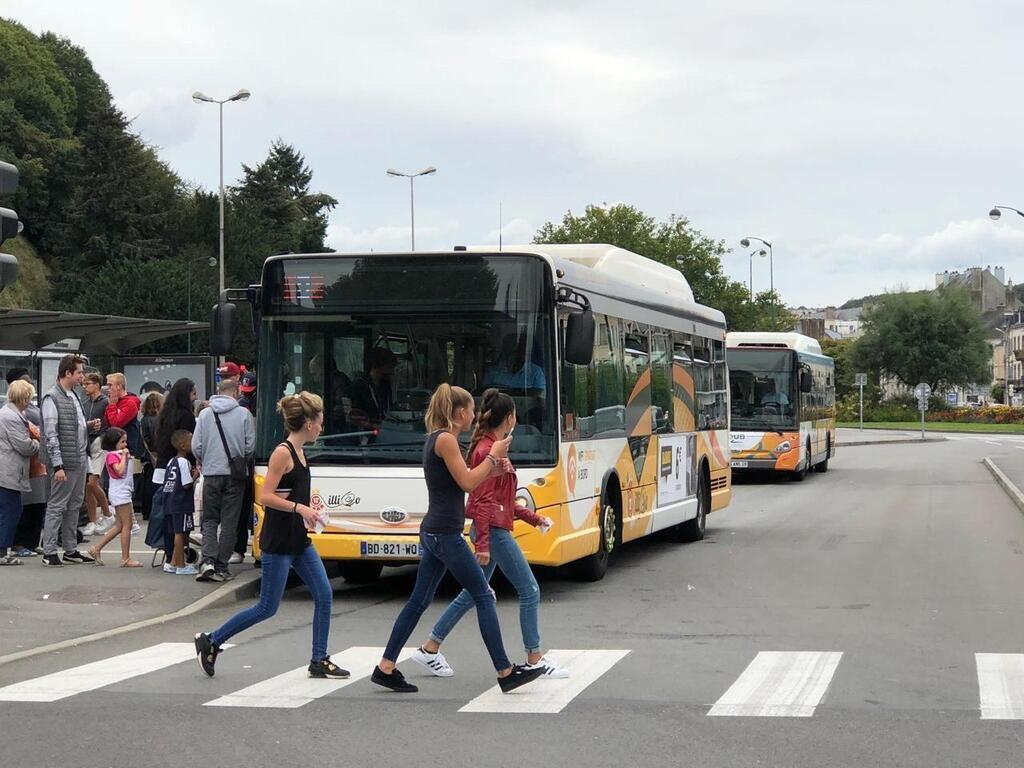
[398, 550]
[740, 464]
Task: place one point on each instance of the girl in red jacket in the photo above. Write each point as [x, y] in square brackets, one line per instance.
[492, 508]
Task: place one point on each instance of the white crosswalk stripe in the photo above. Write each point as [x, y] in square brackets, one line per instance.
[779, 684]
[295, 688]
[548, 696]
[99, 674]
[1001, 685]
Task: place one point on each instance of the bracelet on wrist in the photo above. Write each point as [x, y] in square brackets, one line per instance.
[493, 460]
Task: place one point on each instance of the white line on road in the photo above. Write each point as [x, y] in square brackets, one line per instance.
[1001, 685]
[550, 696]
[295, 688]
[993, 442]
[99, 674]
[779, 684]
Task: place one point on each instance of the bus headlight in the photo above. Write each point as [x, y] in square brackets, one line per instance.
[784, 447]
[525, 499]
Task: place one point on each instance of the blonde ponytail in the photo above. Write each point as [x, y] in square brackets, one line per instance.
[443, 404]
[299, 408]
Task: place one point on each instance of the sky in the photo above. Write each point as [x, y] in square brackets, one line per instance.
[867, 141]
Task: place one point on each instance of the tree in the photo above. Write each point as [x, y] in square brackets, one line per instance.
[936, 337]
[677, 244]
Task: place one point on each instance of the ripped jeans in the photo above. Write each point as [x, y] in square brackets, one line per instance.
[505, 554]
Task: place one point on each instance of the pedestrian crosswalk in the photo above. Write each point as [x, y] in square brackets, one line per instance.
[778, 684]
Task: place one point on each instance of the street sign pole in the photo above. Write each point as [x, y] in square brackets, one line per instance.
[861, 379]
[923, 392]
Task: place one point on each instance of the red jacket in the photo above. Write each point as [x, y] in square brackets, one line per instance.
[493, 503]
[124, 412]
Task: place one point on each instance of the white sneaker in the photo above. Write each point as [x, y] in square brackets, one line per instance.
[235, 558]
[89, 530]
[551, 670]
[103, 524]
[168, 568]
[435, 663]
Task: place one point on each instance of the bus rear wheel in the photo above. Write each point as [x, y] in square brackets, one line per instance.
[693, 530]
[593, 567]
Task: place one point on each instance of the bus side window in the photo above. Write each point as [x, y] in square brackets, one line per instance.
[683, 409]
[661, 382]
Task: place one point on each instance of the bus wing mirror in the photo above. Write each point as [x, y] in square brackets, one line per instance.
[579, 337]
[806, 381]
[222, 328]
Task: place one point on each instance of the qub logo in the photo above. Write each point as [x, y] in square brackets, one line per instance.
[570, 470]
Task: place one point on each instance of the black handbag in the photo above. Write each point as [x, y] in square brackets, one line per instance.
[238, 465]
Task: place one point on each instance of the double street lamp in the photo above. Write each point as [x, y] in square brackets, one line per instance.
[762, 253]
[997, 210]
[745, 242]
[198, 97]
[412, 199]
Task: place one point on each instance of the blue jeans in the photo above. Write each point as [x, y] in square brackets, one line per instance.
[10, 514]
[274, 574]
[505, 554]
[440, 552]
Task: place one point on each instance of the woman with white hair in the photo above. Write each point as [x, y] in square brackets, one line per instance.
[19, 442]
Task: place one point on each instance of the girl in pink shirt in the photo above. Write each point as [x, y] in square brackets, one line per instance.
[115, 444]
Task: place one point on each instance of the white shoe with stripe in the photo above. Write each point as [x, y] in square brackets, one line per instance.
[551, 670]
[434, 663]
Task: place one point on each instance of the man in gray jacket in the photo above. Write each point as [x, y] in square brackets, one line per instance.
[65, 435]
[224, 430]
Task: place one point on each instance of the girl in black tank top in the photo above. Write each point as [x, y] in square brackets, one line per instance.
[284, 541]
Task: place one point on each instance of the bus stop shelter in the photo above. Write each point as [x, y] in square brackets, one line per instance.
[31, 330]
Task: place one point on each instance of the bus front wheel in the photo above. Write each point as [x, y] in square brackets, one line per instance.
[593, 567]
[823, 465]
[801, 473]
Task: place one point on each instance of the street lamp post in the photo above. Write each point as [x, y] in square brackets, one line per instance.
[997, 210]
[745, 242]
[241, 95]
[412, 200]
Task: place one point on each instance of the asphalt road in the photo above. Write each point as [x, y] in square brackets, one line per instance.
[878, 582]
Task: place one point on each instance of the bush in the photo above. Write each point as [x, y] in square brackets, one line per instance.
[989, 414]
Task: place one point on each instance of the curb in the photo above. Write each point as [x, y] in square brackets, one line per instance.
[898, 441]
[1015, 494]
[241, 588]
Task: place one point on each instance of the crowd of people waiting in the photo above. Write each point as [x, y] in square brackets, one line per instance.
[86, 456]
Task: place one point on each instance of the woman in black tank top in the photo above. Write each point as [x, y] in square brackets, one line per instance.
[442, 547]
[284, 541]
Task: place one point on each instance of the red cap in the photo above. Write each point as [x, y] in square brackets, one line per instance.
[230, 370]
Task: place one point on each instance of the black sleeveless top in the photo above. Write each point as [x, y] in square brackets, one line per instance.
[284, 533]
[446, 501]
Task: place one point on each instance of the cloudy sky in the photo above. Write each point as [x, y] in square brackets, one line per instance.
[867, 140]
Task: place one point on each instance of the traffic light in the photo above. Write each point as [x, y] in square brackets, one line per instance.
[9, 224]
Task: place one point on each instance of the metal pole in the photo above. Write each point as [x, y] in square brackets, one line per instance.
[861, 407]
[189, 291]
[922, 421]
[771, 277]
[412, 212]
[750, 284]
[220, 106]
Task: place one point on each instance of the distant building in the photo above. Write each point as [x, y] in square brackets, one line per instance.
[829, 322]
[988, 288]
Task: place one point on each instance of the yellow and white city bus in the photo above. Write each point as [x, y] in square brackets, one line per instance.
[618, 375]
[783, 403]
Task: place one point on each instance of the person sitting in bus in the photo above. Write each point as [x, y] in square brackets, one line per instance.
[372, 396]
[512, 371]
[771, 397]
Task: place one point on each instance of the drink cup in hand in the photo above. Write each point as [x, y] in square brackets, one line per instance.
[545, 525]
[500, 448]
[321, 523]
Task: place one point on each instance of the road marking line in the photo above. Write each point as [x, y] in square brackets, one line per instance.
[295, 688]
[779, 684]
[1001, 685]
[99, 674]
[993, 442]
[550, 696]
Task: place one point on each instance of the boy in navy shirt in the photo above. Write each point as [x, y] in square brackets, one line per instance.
[179, 501]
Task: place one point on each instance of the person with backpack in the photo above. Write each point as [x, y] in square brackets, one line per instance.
[223, 442]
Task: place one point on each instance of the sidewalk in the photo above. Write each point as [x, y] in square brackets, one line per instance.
[1008, 472]
[852, 437]
[41, 606]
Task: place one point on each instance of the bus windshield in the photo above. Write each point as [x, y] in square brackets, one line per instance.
[763, 389]
[374, 336]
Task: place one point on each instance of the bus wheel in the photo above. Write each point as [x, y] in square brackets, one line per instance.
[823, 466]
[693, 530]
[801, 473]
[593, 567]
[359, 572]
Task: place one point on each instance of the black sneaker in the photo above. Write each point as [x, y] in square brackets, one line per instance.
[327, 668]
[206, 653]
[520, 675]
[52, 560]
[205, 572]
[77, 557]
[395, 681]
